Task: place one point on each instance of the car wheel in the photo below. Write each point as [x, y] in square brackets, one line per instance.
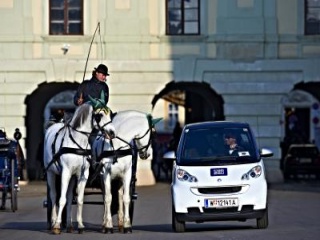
[263, 222]
[177, 226]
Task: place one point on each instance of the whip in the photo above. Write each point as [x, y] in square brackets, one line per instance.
[85, 68]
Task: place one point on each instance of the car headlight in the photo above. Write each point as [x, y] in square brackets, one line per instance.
[183, 175]
[254, 172]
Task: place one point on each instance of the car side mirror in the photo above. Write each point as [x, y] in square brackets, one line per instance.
[169, 155]
[264, 152]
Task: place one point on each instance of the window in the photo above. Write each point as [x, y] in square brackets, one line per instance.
[312, 17]
[182, 17]
[66, 17]
[173, 114]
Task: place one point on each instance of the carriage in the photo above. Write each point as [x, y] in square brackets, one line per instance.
[114, 154]
[10, 162]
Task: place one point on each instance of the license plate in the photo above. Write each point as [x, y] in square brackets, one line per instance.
[219, 172]
[221, 203]
[305, 160]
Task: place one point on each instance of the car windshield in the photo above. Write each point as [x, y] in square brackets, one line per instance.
[217, 146]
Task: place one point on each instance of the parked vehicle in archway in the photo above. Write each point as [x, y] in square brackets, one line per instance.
[10, 164]
[301, 159]
[218, 175]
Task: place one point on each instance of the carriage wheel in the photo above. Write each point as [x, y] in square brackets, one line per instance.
[4, 198]
[13, 190]
[14, 200]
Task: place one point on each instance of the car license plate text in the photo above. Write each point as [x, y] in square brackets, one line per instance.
[221, 202]
[219, 172]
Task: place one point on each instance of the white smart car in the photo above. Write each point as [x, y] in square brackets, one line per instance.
[216, 178]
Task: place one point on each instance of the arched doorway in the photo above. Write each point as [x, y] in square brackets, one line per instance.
[36, 103]
[200, 101]
[301, 114]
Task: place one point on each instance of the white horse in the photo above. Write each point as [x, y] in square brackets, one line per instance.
[66, 153]
[134, 133]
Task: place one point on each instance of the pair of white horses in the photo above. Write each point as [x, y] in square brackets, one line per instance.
[67, 153]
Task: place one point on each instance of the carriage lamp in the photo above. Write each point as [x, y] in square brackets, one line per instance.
[17, 134]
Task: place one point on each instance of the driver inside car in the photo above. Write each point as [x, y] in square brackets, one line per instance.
[233, 148]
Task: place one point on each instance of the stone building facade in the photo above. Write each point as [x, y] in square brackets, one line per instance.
[251, 61]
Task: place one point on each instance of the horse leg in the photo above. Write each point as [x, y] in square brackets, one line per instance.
[82, 180]
[65, 179]
[69, 204]
[51, 180]
[107, 225]
[120, 209]
[126, 202]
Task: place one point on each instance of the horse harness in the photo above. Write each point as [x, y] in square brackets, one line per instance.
[78, 151]
[118, 153]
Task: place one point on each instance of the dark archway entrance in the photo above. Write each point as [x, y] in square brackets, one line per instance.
[34, 122]
[201, 102]
[300, 126]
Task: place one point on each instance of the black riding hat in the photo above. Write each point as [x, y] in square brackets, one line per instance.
[102, 69]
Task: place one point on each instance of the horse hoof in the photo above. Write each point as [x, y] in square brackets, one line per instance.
[70, 229]
[2, 208]
[56, 231]
[107, 230]
[127, 230]
[80, 230]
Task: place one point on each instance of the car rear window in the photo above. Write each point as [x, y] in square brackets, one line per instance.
[304, 151]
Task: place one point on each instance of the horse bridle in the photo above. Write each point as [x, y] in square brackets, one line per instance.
[134, 147]
[97, 118]
[149, 141]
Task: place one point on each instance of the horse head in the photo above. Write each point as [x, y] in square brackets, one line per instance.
[143, 142]
[102, 122]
